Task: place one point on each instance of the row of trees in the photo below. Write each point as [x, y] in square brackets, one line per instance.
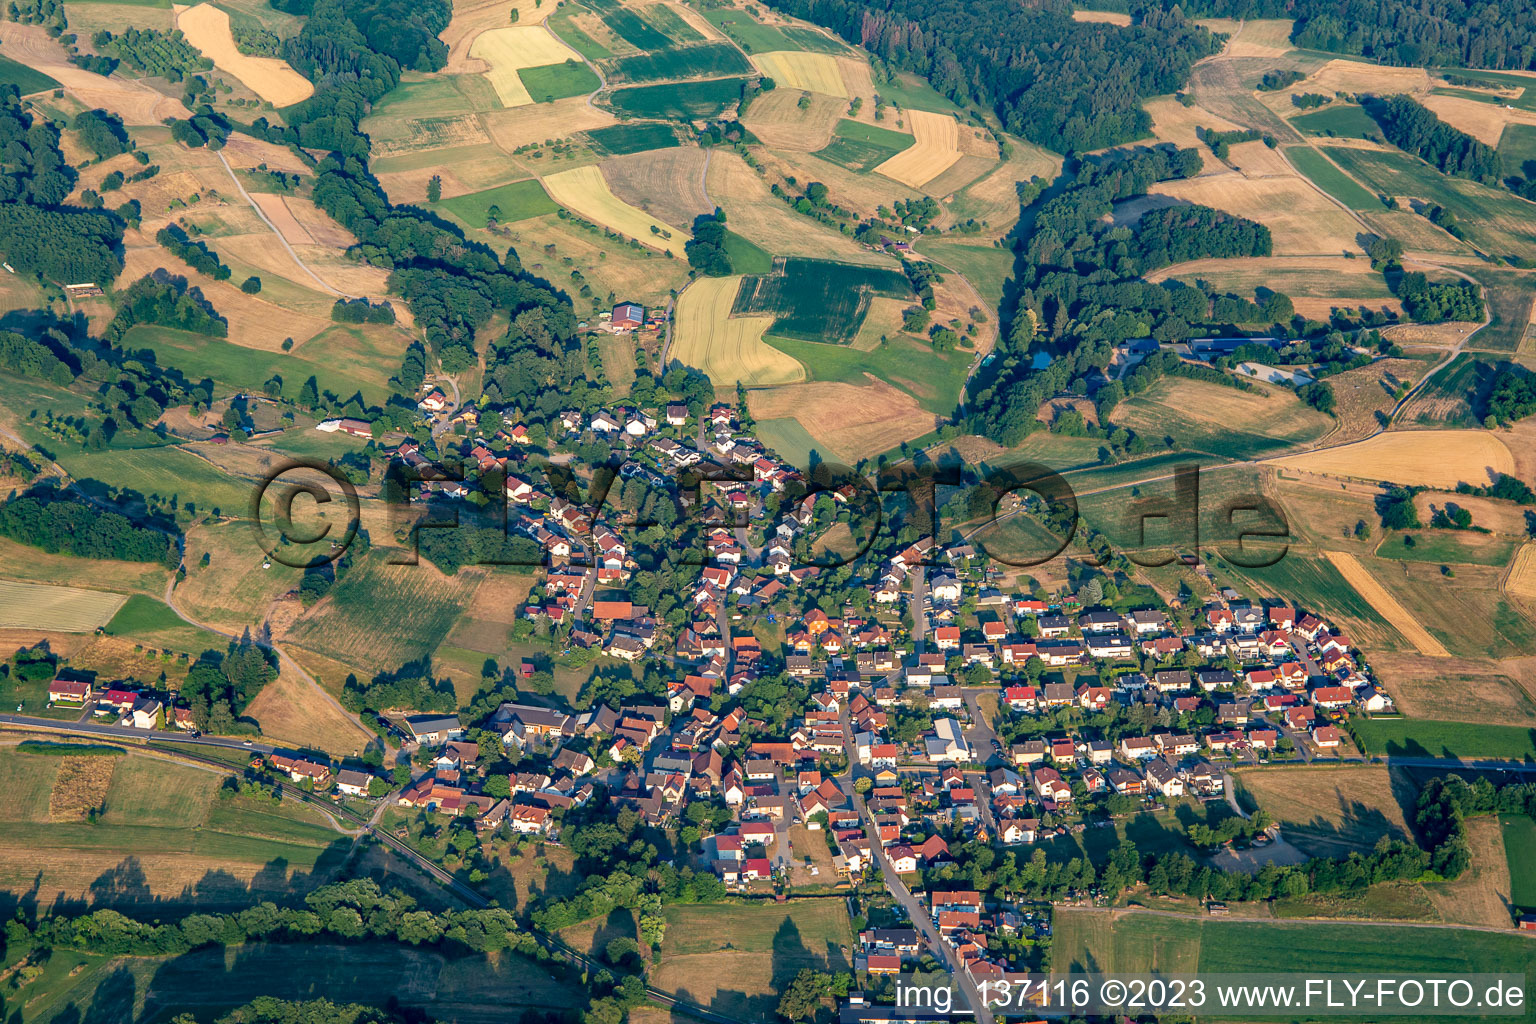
[1414, 128]
[59, 525]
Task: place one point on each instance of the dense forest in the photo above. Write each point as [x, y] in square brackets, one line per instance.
[1066, 85]
[1078, 287]
[37, 231]
[1513, 396]
[45, 519]
[1414, 128]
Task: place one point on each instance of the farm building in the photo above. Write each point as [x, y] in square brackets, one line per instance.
[627, 316]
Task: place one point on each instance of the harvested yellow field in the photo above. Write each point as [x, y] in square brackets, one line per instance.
[937, 147]
[288, 712]
[506, 50]
[207, 28]
[1333, 808]
[517, 126]
[65, 609]
[1300, 218]
[778, 120]
[1256, 160]
[856, 421]
[1484, 121]
[469, 20]
[1385, 604]
[244, 151]
[1522, 575]
[1428, 458]
[729, 349]
[1262, 37]
[282, 218]
[755, 213]
[802, 71]
[1102, 17]
[582, 190]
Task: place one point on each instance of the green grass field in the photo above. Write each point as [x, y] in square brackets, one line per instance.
[1457, 395]
[792, 442]
[1509, 294]
[634, 30]
[143, 616]
[933, 378]
[689, 62]
[1493, 219]
[165, 471]
[863, 147]
[1519, 840]
[518, 201]
[557, 81]
[1136, 943]
[986, 266]
[1517, 147]
[747, 257]
[755, 37]
[243, 368]
[668, 22]
[1525, 101]
[913, 93]
[1330, 179]
[25, 79]
[620, 139]
[1452, 547]
[1342, 121]
[818, 300]
[1422, 737]
[578, 40]
[680, 101]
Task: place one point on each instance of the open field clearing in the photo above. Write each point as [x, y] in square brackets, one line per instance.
[1481, 896]
[910, 364]
[231, 592]
[385, 615]
[1301, 221]
[517, 201]
[729, 349]
[1502, 517]
[1127, 941]
[704, 60]
[777, 119]
[1509, 295]
[289, 712]
[937, 147]
[993, 200]
[38, 606]
[1173, 122]
[242, 151]
[164, 835]
[1261, 37]
[754, 213]
[207, 28]
[1448, 547]
[1352, 76]
[25, 79]
[582, 190]
[623, 139]
[1483, 121]
[1457, 396]
[803, 72]
[1493, 219]
[667, 184]
[1365, 395]
[1301, 277]
[986, 267]
[1386, 605]
[1338, 120]
[739, 970]
[470, 19]
[508, 50]
[561, 119]
[1101, 17]
[754, 36]
[1427, 458]
[1258, 160]
[1202, 416]
[1517, 146]
[1522, 575]
[1468, 612]
[35, 565]
[682, 100]
[1421, 737]
[135, 103]
[278, 212]
[1467, 690]
[486, 625]
[853, 421]
[1331, 811]
[609, 266]
[819, 300]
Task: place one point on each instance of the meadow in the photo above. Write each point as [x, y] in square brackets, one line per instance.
[1451, 547]
[635, 30]
[1517, 147]
[551, 82]
[678, 100]
[1198, 416]
[25, 79]
[517, 201]
[933, 378]
[1491, 218]
[1130, 942]
[1508, 295]
[755, 37]
[1340, 121]
[863, 147]
[1519, 840]
[620, 139]
[1326, 176]
[1422, 737]
[1456, 396]
[687, 62]
[817, 300]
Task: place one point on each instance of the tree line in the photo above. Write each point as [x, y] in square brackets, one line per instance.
[45, 519]
[1414, 128]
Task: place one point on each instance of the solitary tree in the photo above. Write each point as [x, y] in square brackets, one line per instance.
[435, 189]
